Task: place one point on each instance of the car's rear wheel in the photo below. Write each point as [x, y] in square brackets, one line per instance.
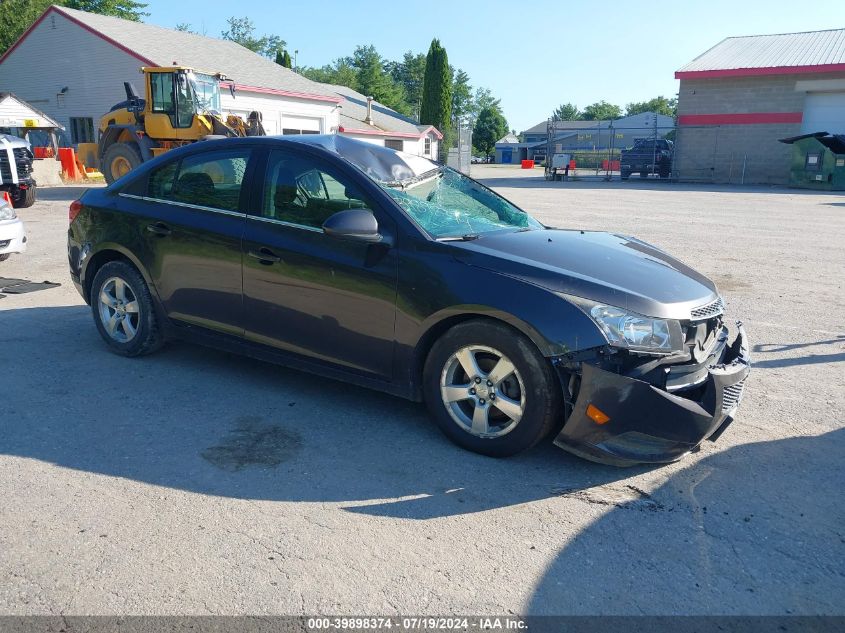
[489, 389]
[123, 310]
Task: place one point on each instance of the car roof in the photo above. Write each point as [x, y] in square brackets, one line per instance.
[380, 163]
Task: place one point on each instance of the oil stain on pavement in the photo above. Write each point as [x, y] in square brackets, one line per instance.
[253, 443]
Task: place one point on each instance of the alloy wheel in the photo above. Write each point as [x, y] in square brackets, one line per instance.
[482, 391]
[120, 313]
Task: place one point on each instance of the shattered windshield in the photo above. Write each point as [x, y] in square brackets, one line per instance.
[449, 204]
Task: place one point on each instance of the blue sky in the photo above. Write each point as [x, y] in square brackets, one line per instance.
[532, 55]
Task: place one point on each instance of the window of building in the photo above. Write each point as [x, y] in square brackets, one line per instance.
[81, 130]
[394, 143]
[292, 130]
[427, 150]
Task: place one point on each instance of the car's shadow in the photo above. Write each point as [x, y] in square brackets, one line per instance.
[208, 422]
[755, 529]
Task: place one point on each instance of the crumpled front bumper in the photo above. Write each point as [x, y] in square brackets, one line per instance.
[649, 425]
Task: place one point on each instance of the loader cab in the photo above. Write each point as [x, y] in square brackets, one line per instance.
[177, 99]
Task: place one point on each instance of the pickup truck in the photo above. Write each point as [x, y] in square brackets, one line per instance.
[646, 156]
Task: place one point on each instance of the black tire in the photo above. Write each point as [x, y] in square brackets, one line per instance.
[5, 256]
[625, 175]
[148, 337]
[119, 152]
[643, 174]
[24, 198]
[542, 399]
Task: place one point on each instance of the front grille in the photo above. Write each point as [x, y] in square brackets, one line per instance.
[708, 311]
[732, 395]
[23, 164]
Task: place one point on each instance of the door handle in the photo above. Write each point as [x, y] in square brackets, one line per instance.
[159, 228]
[265, 256]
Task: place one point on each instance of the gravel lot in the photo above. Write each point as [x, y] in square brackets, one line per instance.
[197, 482]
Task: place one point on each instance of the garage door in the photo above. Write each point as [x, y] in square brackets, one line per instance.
[300, 125]
[824, 112]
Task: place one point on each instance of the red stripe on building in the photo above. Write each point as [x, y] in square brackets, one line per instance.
[759, 72]
[746, 118]
[54, 9]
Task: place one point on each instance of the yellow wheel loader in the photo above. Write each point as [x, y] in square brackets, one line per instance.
[181, 106]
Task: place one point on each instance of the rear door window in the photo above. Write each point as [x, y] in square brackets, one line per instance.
[209, 179]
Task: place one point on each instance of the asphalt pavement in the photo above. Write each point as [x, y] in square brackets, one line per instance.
[198, 482]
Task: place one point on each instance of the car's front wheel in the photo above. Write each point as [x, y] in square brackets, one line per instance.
[123, 310]
[489, 388]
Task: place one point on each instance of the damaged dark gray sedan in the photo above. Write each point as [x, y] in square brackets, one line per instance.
[387, 270]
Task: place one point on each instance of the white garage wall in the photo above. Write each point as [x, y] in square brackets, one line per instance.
[59, 53]
[277, 109]
[824, 112]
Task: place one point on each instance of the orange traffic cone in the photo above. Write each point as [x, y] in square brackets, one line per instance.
[7, 197]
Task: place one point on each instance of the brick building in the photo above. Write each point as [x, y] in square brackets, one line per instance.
[738, 98]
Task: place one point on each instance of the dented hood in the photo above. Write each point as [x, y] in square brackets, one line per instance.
[613, 269]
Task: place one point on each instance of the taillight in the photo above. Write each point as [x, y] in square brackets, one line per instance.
[75, 208]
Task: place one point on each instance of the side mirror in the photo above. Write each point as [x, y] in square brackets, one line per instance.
[354, 224]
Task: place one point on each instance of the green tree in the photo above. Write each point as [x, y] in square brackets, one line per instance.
[16, 16]
[489, 128]
[484, 99]
[374, 81]
[126, 9]
[242, 31]
[436, 107]
[659, 105]
[601, 111]
[184, 27]
[566, 112]
[409, 73]
[283, 59]
[462, 105]
[340, 72]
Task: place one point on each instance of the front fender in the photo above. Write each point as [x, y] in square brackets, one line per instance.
[431, 292]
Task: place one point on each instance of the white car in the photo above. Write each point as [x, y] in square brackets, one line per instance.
[12, 234]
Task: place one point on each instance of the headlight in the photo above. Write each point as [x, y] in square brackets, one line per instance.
[6, 211]
[634, 331]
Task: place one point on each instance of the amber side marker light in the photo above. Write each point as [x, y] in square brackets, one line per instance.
[597, 415]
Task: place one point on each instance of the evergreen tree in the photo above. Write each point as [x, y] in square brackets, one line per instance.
[436, 107]
[374, 82]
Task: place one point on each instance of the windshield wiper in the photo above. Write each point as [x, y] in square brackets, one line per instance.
[459, 238]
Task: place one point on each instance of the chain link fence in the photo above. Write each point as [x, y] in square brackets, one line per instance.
[726, 154]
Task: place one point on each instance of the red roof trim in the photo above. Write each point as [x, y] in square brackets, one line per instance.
[283, 93]
[149, 62]
[746, 118]
[759, 72]
[349, 130]
[143, 60]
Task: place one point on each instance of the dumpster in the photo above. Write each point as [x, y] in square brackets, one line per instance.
[818, 161]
